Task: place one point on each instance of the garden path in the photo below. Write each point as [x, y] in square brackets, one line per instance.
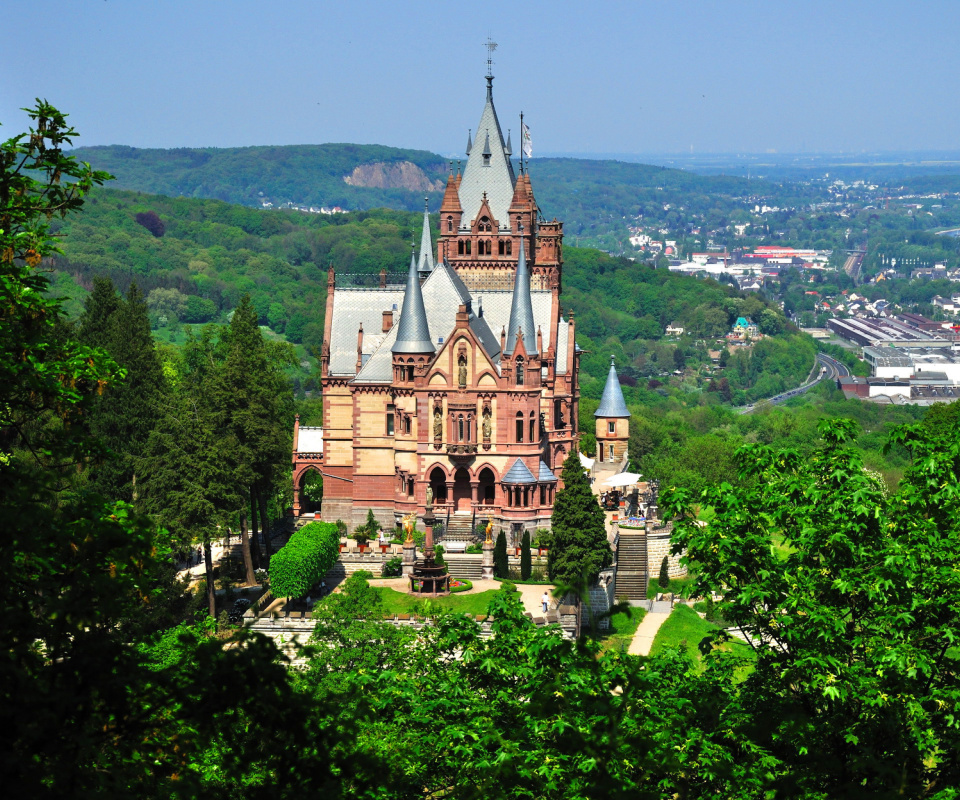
[643, 639]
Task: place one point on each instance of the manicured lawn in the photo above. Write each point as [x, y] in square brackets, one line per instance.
[469, 603]
[679, 586]
[623, 629]
[685, 627]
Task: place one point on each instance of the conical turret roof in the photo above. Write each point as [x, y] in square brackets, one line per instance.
[612, 403]
[495, 177]
[425, 263]
[413, 332]
[521, 310]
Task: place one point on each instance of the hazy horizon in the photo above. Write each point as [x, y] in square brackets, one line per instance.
[610, 80]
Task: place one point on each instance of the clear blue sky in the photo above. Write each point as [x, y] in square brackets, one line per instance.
[597, 77]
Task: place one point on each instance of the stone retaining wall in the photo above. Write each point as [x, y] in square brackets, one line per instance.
[658, 546]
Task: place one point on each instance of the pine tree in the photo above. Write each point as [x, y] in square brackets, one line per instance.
[580, 549]
[664, 580]
[255, 401]
[126, 413]
[501, 566]
[525, 556]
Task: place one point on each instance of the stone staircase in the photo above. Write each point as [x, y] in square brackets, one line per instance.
[464, 565]
[460, 528]
[632, 572]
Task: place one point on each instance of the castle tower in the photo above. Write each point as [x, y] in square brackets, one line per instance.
[425, 263]
[613, 420]
[413, 350]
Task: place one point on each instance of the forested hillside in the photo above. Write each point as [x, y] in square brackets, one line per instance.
[194, 259]
[594, 198]
[299, 174]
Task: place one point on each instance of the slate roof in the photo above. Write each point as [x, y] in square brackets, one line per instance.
[611, 401]
[497, 179]
[310, 440]
[413, 331]
[546, 474]
[521, 310]
[563, 339]
[351, 308]
[425, 263]
[519, 473]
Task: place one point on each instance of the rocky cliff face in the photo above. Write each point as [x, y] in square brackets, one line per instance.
[399, 175]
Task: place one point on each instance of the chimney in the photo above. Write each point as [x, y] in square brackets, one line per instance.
[387, 320]
[360, 347]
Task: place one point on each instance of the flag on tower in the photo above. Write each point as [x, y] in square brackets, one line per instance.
[527, 142]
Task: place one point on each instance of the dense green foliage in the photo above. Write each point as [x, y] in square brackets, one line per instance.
[855, 631]
[305, 559]
[579, 548]
[310, 175]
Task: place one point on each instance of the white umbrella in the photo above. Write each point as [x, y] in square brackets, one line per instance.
[623, 479]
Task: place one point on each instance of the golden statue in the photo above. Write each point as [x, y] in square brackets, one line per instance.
[409, 522]
[489, 531]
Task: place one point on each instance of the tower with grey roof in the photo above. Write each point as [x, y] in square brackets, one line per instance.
[612, 420]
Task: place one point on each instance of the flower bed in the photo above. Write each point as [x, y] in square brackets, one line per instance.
[460, 585]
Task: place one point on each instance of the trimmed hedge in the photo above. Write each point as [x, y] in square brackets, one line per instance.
[303, 561]
[465, 586]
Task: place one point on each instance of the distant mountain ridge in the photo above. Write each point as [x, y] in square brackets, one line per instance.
[595, 199]
[312, 175]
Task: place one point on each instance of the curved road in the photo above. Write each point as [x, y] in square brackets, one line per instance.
[830, 369]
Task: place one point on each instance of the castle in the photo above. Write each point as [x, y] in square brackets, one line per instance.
[461, 380]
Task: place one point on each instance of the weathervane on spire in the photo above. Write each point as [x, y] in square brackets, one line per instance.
[491, 46]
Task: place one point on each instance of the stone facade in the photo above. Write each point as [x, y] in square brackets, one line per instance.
[482, 409]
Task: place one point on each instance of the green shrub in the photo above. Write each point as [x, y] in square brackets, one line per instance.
[305, 559]
[392, 568]
[664, 580]
[465, 586]
[438, 555]
[525, 556]
[508, 586]
[474, 548]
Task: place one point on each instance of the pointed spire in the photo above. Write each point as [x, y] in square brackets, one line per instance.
[469, 141]
[521, 311]
[486, 147]
[509, 148]
[426, 264]
[413, 332]
[612, 403]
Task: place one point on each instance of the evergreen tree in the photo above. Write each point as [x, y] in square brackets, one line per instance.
[254, 397]
[525, 556]
[501, 566]
[664, 580]
[93, 327]
[124, 414]
[580, 549]
[192, 460]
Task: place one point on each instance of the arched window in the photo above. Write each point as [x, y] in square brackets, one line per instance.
[484, 225]
[449, 224]
[533, 427]
[460, 247]
[520, 372]
[460, 428]
[509, 248]
[519, 426]
[501, 247]
[469, 246]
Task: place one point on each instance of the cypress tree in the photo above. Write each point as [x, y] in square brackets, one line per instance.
[664, 580]
[501, 566]
[580, 549]
[93, 327]
[525, 556]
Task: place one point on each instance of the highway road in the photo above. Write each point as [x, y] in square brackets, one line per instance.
[830, 369]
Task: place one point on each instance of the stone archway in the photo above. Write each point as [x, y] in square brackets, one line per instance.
[438, 482]
[487, 488]
[461, 490]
